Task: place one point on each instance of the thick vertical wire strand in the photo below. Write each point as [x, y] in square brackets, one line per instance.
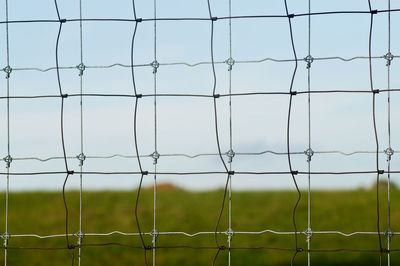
[215, 96]
[62, 124]
[230, 232]
[81, 135]
[214, 87]
[288, 134]
[8, 138]
[372, 12]
[140, 184]
[155, 65]
[389, 149]
[309, 153]
[137, 96]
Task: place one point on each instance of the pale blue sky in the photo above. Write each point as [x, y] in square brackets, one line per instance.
[186, 125]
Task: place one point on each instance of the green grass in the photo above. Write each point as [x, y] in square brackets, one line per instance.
[43, 213]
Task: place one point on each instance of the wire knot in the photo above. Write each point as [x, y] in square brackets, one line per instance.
[229, 232]
[63, 20]
[8, 159]
[64, 96]
[375, 91]
[385, 251]
[308, 232]
[80, 235]
[81, 157]
[299, 249]
[374, 12]
[138, 20]
[155, 155]
[389, 234]
[389, 153]
[230, 62]
[216, 96]
[70, 172]
[290, 15]
[81, 67]
[154, 233]
[71, 246]
[145, 172]
[231, 172]
[309, 59]
[381, 172]
[293, 93]
[138, 96]
[230, 155]
[6, 236]
[389, 58]
[214, 18]
[155, 66]
[309, 152]
[148, 247]
[222, 247]
[8, 71]
[294, 172]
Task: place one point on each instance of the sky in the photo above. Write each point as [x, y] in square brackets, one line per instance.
[340, 122]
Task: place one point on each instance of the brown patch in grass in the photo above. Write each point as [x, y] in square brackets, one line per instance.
[165, 187]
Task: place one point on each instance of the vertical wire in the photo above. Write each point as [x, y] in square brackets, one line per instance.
[81, 120]
[214, 87]
[388, 232]
[140, 182]
[8, 138]
[309, 137]
[215, 96]
[155, 136]
[230, 137]
[62, 126]
[288, 134]
[375, 129]
[137, 96]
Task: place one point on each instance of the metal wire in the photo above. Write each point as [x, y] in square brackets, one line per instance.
[193, 156]
[254, 61]
[81, 156]
[195, 234]
[309, 152]
[375, 129]
[226, 158]
[230, 153]
[270, 173]
[388, 231]
[9, 158]
[155, 154]
[273, 16]
[218, 246]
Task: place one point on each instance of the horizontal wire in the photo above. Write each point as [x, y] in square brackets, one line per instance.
[202, 247]
[383, 90]
[192, 156]
[393, 90]
[200, 63]
[71, 172]
[201, 233]
[343, 12]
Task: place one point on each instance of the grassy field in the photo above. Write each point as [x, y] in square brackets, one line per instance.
[43, 213]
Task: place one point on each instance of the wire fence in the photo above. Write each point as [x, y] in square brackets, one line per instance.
[225, 158]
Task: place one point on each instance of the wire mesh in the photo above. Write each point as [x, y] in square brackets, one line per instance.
[225, 159]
